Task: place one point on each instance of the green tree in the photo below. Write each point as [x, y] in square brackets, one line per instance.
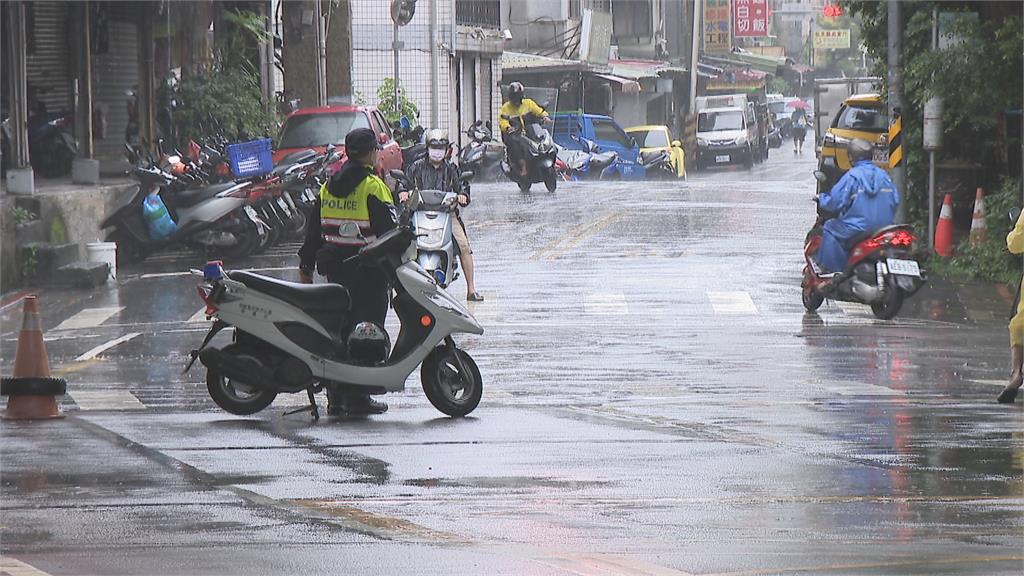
[388, 107]
[979, 79]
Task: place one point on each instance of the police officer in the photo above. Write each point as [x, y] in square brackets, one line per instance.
[345, 206]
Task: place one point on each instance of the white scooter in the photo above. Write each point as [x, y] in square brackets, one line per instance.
[432, 220]
[293, 337]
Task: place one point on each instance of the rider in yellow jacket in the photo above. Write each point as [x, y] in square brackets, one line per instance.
[1015, 244]
[512, 121]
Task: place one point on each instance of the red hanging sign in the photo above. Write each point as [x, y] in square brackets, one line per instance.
[750, 18]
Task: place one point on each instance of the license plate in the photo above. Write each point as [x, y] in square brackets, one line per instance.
[880, 156]
[903, 267]
[250, 212]
[722, 158]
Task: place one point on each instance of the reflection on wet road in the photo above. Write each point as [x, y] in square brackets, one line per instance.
[656, 401]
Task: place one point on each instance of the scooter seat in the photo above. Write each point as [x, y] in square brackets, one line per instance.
[193, 196]
[313, 298]
[292, 159]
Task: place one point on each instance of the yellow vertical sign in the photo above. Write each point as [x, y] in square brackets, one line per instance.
[895, 141]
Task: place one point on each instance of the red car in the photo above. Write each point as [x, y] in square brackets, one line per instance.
[315, 128]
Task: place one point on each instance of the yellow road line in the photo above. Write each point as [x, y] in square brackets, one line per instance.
[872, 565]
[11, 567]
[573, 238]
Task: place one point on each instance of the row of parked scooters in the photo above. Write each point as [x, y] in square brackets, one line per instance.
[209, 208]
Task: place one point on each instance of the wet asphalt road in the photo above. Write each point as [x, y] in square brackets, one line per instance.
[656, 402]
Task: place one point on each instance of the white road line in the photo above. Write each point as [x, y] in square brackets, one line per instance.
[106, 400]
[89, 318]
[605, 303]
[732, 303]
[12, 567]
[106, 346]
[199, 316]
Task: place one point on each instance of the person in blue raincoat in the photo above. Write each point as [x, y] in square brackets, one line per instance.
[864, 200]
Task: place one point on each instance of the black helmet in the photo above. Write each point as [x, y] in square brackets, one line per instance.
[515, 92]
[858, 149]
[368, 343]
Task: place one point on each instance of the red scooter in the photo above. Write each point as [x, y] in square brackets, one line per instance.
[881, 271]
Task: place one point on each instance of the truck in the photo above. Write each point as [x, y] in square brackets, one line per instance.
[829, 95]
[728, 131]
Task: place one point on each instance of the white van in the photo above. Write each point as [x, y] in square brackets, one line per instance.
[726, 130]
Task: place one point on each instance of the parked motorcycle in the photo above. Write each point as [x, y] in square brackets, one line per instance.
[881, 270]
[51, 146]
[590, 163]
[212, 218]
[482, 156]
[658, 164]
[540, 160]
[432, 220]
[303, 340]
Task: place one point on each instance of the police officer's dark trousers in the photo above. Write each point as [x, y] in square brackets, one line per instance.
[367, 286]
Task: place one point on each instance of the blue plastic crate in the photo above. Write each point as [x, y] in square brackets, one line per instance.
[251, 158]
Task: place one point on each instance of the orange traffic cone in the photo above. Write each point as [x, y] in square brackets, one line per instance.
[978, 222]
[944, 231]
[31, 390]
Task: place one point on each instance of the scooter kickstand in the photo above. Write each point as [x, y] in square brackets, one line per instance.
[313, 409]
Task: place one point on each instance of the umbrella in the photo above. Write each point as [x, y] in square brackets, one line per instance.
[798, 104]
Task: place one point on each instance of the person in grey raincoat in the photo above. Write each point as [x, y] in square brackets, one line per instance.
[864, 200]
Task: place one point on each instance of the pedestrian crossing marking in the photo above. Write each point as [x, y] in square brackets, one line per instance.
[605, 303]
[106, 346]
[106, 400]
[732, 303]
[89, 318]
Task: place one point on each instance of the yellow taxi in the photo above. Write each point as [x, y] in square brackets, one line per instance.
[860, 116]
[653, 139]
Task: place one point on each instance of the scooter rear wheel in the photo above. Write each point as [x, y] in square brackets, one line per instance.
[551, 180]
[891, 302]
[449, 389]
[237, 397]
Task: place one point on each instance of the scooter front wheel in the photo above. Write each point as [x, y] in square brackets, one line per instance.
[812, 299]
[449, 389]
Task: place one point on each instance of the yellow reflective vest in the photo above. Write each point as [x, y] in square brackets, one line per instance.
[336, 213]
[510, 111]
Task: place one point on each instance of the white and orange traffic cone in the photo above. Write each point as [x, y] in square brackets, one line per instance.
[31, 391]
[978, 222]
[944, 231]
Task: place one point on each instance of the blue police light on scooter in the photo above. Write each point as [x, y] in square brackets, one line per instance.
[439, 276]
[213, 270]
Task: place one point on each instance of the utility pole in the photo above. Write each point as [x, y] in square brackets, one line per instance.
[895, 97]
[698, 10]
[434, 83]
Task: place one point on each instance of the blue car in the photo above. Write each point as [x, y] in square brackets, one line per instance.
[605, 132]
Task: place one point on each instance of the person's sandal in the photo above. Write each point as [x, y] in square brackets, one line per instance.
[1007, 396]
[474, 297]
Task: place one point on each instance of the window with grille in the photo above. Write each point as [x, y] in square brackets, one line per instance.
[478, 13]
[632, 18]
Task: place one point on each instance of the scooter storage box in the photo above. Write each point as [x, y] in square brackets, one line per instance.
[252, 158]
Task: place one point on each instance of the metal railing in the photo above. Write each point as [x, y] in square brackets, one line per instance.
[478, 13]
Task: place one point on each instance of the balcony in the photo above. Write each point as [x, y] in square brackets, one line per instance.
[485, 13]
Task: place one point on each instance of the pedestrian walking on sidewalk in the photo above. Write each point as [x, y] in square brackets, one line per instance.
[799, 119]
[1015, 244]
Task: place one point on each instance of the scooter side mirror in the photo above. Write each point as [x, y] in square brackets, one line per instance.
[820, 176]
[414, 200]
[467, 175]
[398, 175]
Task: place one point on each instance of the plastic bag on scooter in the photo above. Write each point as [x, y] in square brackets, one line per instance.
[158, 219]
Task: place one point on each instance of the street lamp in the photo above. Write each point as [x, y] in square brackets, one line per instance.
[402, 12]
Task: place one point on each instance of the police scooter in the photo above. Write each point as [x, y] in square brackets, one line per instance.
[432, 220]
[293, 338]
[482, 156]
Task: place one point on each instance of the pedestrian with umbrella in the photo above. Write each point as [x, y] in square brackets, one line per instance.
[799, 123]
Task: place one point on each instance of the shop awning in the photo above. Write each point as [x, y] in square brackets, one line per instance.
[643, 69]
[626, 85]
[523, 63]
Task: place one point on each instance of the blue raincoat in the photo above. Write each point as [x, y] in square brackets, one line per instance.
[865, 200]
